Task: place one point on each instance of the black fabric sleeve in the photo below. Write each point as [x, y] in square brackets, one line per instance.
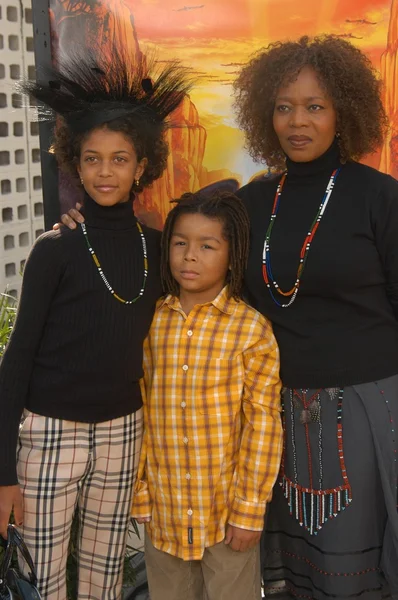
[385, 226]
[42, 273]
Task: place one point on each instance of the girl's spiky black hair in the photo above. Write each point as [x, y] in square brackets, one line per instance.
[89, 90]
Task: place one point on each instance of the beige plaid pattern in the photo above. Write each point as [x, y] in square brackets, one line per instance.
[213, 437]
[63, 466]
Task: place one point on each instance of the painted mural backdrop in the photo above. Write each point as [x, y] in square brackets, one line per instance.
[216, 38]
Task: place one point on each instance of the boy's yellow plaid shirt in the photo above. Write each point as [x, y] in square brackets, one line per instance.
[213, 437]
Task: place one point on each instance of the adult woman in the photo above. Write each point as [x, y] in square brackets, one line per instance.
[314, 105]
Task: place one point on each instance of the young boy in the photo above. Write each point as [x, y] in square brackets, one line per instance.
[213, 437]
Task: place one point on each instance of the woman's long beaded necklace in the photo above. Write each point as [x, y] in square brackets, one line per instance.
[100, 271]
[267, 271]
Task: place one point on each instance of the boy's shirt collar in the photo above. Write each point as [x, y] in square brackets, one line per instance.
[221, 302]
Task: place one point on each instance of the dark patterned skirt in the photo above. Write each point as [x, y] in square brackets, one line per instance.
[332, 526]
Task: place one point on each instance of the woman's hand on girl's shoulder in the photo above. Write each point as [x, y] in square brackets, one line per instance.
[70, 218]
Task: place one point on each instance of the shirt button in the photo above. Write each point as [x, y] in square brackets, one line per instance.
[185, 440]
[185, 367]
[188, 476]
[190, 332]
[190, 512]
[183, 404]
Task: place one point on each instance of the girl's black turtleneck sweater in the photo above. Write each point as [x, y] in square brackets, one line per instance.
[76, 352]
[342, 328]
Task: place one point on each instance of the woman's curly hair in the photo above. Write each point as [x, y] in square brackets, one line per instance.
[347, 76]
[148, 143]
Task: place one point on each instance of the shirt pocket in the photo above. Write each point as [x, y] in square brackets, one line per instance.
[220, 387]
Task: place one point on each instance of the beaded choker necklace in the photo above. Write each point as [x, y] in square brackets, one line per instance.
[100, 271]
[267, 271]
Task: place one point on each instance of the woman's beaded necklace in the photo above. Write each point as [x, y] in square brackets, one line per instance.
[100, 271]
[267, 271]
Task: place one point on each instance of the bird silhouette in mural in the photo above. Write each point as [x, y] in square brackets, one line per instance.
[360, 22]
[184, 8]
[349, 36]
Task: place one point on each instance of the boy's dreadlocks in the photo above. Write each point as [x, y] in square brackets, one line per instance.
[225, 207]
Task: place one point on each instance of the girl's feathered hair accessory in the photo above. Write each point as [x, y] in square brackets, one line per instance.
[89, 90]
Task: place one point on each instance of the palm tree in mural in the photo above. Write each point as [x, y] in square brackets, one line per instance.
[73, 8]
[108, 24]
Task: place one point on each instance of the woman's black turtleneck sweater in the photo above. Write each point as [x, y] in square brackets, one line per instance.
[76, 352]
[342, 328]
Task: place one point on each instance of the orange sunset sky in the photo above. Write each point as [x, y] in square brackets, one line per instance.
[216, 36]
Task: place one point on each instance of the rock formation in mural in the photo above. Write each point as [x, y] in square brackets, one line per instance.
[111, 24]
[389, 72]
[187, 141]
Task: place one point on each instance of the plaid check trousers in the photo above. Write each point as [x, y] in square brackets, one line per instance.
[66, 466]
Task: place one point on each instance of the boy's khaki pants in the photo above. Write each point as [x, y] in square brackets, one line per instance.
[222, 574]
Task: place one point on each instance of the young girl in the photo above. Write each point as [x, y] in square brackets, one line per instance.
[73, 363]
[213, 434]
